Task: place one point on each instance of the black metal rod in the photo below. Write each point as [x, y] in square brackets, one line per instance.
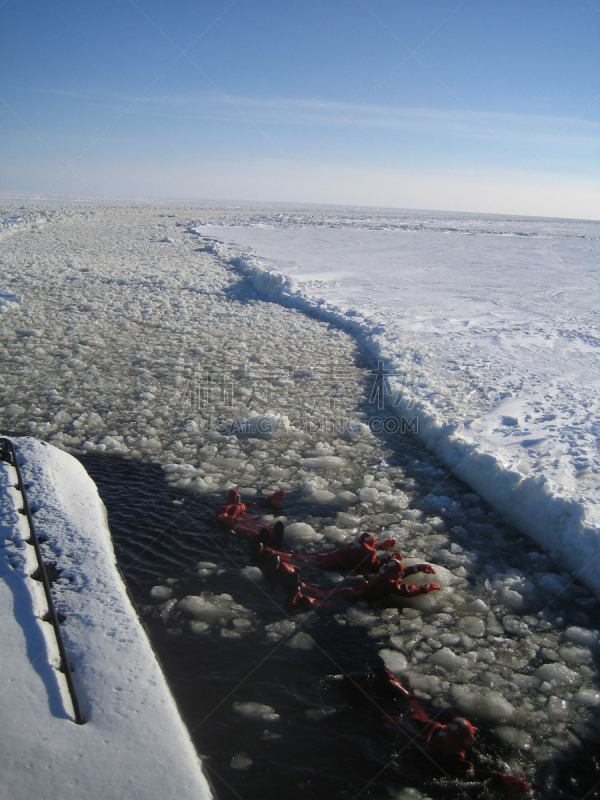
[7, 444]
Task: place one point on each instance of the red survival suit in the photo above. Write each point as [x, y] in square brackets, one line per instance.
[277, 566]
[362, 552]
[235, 512]
[389, 581]
[448, 741]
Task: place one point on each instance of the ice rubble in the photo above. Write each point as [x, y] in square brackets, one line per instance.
[133, 742]
[486, 328]
[168, 355]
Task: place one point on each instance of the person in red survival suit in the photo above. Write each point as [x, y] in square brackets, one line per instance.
[362, 552]
[234, 511]
[451, 741]
[262, 553]
[270, 536]
[389, 581]
[288, 577]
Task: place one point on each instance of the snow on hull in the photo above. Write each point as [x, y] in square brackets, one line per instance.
[543, 486]
[133, 743]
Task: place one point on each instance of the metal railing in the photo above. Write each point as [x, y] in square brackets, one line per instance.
[8, 453]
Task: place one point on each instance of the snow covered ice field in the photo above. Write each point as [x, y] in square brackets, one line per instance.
[489, 330]
[132, 333]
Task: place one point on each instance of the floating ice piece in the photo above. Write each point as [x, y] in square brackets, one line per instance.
[301, 532]
[558, 708]
[264, 426]
[323, 462]
[472, 626]
[301, 641]
[425, 683]
[512, 599]
[161, 592]
[483, 702]
[478, 605]
[337, 535]
[9, 301]
[346, 520]
[253, 574]
[199, 627]
[587, 697]
[427, 603]
[346, 498]
[321, 496]
[575, 655]
[584, 636]
[449, 638]
[277, 630]
[395, 661]
[557, 675]
[513, 736]
[450, 661]
[368, 494]
[256, 711]
[241, 762]
[212, 609]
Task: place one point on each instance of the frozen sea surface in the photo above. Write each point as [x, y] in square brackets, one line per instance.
[487, 329]
[134, 337]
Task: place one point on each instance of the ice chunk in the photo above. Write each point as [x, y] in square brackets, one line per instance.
[395, 661]
[301, 641]
[323, 462]
[256, 711]
[368, 494]
[199, 627]
[277, 630]
[301, 532]
[337, 535]
[425, 683]
[346, 498]
[575, 655]
[345, 520]
[240, 761]
[478, 605]
[483, 702]
[427, 603]
[557, 675]
[161, 592]
[212, 609]
[587, 697]
[513, 736]
[321, 496]
[558, 708]
[512, 599]
[449, 638]
[450, 661]
[253, 574]
[472, 626]
[583, 636]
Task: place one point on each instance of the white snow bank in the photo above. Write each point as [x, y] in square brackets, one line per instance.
[133, 743]
[488, 332]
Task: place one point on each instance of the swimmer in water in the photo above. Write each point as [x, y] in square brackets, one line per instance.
[450, 743]
[235, 511]
[388, 581]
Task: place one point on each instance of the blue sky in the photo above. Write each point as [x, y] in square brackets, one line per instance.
[480, 105]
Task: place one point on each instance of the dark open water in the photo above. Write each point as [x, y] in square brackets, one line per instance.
[346, 754]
